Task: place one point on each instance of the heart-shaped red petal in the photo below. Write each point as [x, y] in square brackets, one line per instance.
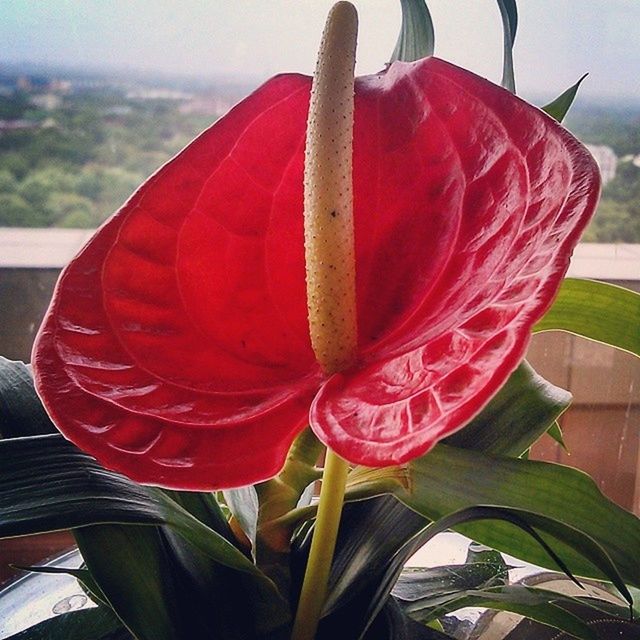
[169, 352]
[177, 349]
[505, 192]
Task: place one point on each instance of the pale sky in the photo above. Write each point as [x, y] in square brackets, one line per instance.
[558, 40]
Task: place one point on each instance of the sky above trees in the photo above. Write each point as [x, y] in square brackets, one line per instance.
[558, 41]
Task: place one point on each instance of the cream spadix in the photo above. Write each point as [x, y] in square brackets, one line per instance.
[328, 195]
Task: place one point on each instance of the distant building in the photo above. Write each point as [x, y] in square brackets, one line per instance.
[117, 110]
[46, 101]
[30, 83]
[62, 87]
[157, 94]
[24, 83]
[606, 159]
[18, 125]
[207, 105]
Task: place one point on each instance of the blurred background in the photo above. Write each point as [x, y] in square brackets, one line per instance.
[94, 96]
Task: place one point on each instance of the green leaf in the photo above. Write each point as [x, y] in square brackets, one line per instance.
[230, 603]
[219, 599]
[212, 544]
[423, 604]
[553, 608]
[559, 107]
[134, 572]
[356, 565]
[21, 412]
[596, 310]
[524, 409]
[509, 14]
[417, 38]
[479, 553]
[362, 575]
[555, 432]
[449, 479]
[357, 602]
[584, 544]
[47, 484]
[243, 504]
[393, 624]
[205, 508]
[538, 606]
[428, 587]
[96, 623]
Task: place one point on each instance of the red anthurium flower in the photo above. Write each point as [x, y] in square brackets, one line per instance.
[177, 349]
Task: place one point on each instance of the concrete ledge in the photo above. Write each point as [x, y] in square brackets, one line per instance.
[40, 248]
[53, 248]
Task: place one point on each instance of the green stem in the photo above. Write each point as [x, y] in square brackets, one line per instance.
[316, 577]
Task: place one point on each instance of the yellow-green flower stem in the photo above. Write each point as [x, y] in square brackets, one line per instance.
[362, 483]
[314, 587]
[279, 496]
[330, 271]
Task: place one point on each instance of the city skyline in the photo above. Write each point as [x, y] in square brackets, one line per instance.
[558, 40]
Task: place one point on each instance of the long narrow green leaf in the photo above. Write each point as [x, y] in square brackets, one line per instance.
[21, 412]
[509, 14]
[596, 310]
[134, 573]
[376, 597]
[427, 586]
[47, 484]
[417, 38]
[243, 504]
[555, 432]
[393, 624]
[205, 508]
[542, 605]
[559, 107]
[358, 570]
[234, 604]
[538, 607]
[524, 409]
[425, 600]
[449, 479]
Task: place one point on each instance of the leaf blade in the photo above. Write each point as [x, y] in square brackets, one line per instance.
[598, 311]
[417, 38]
[449, 479]
[509, 15]
[21, 412]
[559, 107]
[525, 407]
[134, 574]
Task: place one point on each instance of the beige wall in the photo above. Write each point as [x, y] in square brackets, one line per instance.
[24, 298]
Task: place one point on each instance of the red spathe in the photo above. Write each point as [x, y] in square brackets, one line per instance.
[176, 349]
